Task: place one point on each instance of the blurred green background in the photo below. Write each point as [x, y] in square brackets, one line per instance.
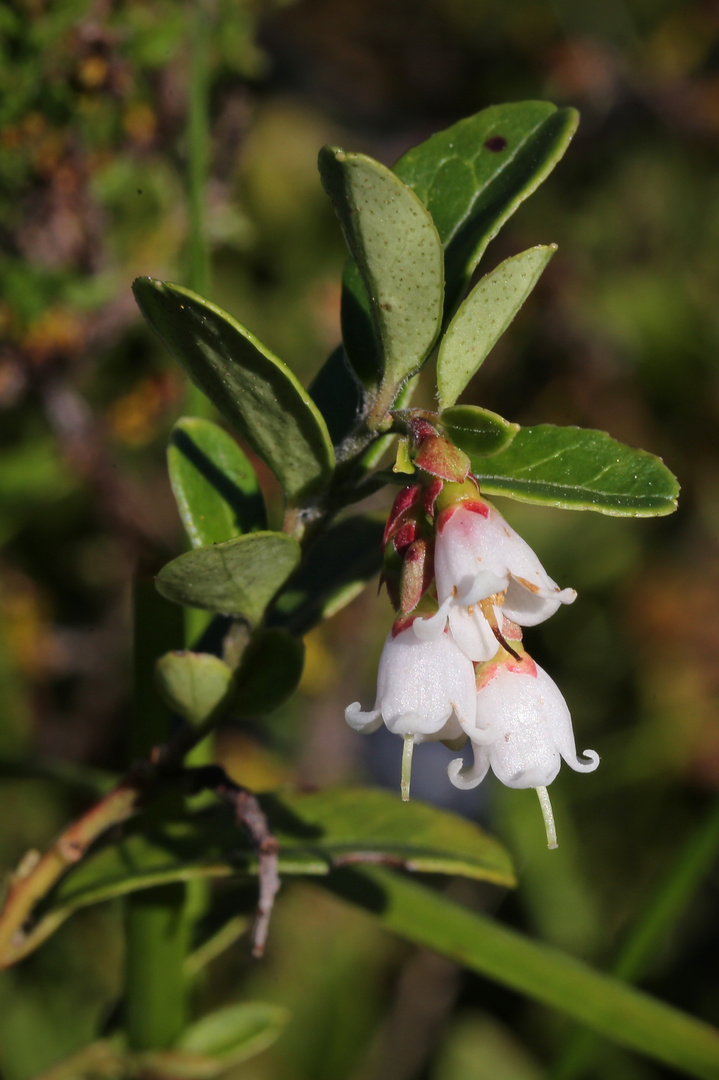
[621, 334]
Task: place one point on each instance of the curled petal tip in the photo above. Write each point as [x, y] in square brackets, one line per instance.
[466, 777]
[364, 722]
[585, 766]
[567, 596]
[433, 627]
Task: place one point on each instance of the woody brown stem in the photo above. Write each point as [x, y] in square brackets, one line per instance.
[37, 874]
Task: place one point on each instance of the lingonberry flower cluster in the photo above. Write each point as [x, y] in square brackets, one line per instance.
[454, 667]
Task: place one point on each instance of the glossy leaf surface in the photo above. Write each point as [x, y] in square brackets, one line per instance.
[623, 1014]
[316, 831]
[256, 393]
[215, 486]
[478, 431]
[576, 469]
[335, 570]
[194, 684]
[398, 254]
[473, 175]
[483, 317]
[239, 577]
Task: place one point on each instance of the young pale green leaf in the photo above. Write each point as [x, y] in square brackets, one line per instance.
[195, 685]
[398, 254]
[215, 486]
[239, 577]
[477, 431]
[483, 317]
[624, 1015]
[256, 393]
[317, 831]
[236, 1032]
[335, 570]
[269, 673]
[576, 469]
[474, 175]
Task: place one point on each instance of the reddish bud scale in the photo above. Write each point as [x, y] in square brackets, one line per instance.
[406, 534]
[406, 499]
[420, 430]
[439, 457]
[431, 492]
[402, 622]
[417, 575]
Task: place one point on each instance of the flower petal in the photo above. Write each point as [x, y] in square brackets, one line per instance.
[427, 679]
[364, 722]
[469, 776]
[472, 633]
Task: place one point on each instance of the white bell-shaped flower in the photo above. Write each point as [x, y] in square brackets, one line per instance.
[482, 564]
[425, 689]
[523, 730]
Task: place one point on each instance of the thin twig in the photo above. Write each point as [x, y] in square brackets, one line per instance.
[250, 815]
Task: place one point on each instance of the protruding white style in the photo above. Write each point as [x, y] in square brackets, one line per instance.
[478, 557]
[424, 688]
[523, 730]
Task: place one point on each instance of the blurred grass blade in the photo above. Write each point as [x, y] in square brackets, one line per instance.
[256, 393]
[399, 256]
[575, 469]
[667, 904]
[473, 175]
[483, 317]
[239, 577]
[627, 1016]
[214, 484]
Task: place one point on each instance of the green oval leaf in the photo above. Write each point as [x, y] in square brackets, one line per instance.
[269, 673]
[334, 571]
[473, 175]
[477, 431]
[483, 317]
[195, 685]
[398, 253]
[239, 577]
[256, 393]
[577, 469]
[215, 486]
[317, 831]
[236, 1032]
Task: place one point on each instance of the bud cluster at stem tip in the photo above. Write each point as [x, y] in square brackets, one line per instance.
[453, 667]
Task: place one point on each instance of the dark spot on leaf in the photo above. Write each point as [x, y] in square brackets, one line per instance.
[496, 143]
